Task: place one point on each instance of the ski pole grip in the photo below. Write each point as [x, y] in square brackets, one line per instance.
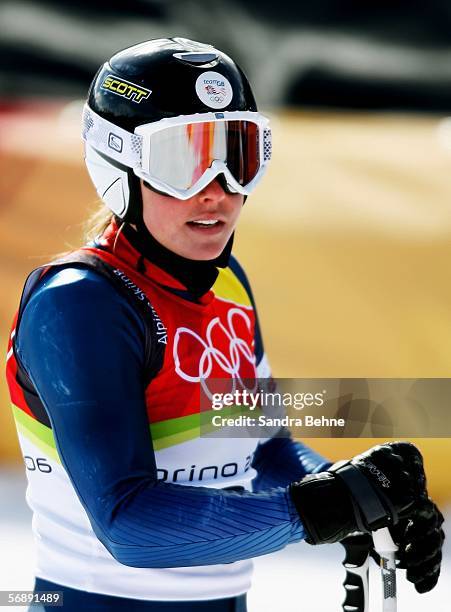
[386, 548]
[356, 563]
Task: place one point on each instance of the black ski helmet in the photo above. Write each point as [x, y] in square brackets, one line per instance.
[145, 83]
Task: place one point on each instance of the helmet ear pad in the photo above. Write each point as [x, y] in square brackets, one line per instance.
[116, 185]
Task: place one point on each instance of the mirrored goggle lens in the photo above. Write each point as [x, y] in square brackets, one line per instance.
[180, 155]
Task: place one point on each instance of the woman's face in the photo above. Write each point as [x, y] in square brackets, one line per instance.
[177, 224]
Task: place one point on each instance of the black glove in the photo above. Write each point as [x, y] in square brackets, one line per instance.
[420, 539]
[375, 489]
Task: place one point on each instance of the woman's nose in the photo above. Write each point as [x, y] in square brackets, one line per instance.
[212, 192]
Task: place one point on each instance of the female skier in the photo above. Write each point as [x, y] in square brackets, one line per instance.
[133, 509]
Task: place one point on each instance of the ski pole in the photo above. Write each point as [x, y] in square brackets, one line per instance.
[386, 548]
[356, 563]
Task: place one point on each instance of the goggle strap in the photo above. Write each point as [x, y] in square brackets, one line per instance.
[113, 141]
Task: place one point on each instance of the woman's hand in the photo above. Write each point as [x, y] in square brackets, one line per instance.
[375, 489]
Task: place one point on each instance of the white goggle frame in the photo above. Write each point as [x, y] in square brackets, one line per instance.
[133, 150]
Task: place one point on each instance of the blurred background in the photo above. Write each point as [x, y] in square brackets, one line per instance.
[347, 240]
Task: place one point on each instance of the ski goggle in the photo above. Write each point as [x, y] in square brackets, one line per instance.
[180, 156]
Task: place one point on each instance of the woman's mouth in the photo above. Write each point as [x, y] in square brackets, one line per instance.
[210, 226]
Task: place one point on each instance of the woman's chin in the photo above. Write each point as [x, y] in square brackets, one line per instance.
[203, 250]
[202, 254]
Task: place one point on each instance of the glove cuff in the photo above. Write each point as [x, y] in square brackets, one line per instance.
[324, 506]
[370, 510]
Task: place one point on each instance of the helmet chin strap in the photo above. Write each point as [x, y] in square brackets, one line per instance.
[134, 211]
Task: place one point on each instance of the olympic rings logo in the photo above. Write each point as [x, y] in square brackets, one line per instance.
[230, 362]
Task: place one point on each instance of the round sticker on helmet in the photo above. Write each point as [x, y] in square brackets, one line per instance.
[214, 89]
